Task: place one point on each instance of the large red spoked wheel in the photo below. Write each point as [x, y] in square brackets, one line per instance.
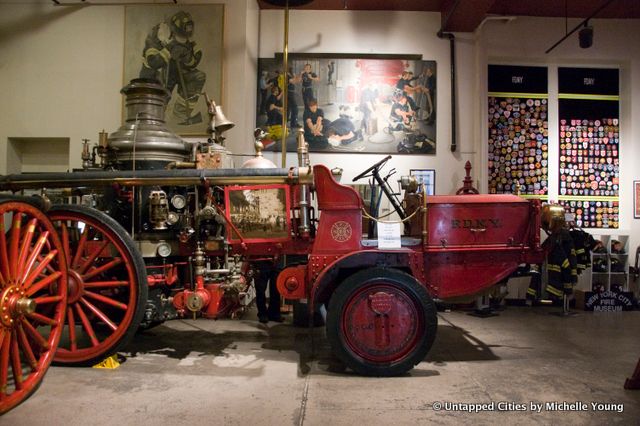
[381, 322]
[107, 289]
[33, 281]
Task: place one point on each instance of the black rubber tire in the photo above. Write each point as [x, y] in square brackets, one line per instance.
[301, 315]
[140, 271]
[402, 282]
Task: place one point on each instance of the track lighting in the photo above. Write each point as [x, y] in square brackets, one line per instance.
[586, 36]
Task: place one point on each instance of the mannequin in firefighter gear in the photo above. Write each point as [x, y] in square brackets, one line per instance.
[583, 242]
[171, 57]
[561, 265]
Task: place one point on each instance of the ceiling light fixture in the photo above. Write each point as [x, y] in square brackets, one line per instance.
[585, 36]
[586, 31]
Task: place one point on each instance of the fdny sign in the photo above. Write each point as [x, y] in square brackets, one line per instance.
[476, 223]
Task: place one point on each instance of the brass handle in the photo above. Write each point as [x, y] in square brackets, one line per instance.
[477, 229]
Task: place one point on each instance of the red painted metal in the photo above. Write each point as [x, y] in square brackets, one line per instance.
[103, 287]
[381, 323]
[292, 282]
[28, 339]
[474, 241]
[215, 294]
[340, 230]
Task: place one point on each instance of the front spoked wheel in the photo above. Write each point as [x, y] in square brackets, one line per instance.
[33, 292]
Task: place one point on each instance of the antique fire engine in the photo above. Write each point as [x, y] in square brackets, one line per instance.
[166, 229]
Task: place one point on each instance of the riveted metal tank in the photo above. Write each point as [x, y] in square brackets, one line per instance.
[144, 137]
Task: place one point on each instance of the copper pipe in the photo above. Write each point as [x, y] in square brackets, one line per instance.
[157, 177]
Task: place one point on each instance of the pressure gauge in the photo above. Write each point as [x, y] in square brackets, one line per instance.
[163, 249]
[178, 201]
[172, 218]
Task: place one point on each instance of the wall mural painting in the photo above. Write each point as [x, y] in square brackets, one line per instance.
[181, 46]
[350, 103]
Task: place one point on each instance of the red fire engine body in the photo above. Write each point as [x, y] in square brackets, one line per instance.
[161, 241]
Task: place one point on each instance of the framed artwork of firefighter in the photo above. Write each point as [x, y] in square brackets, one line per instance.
[180, 46]
[350, 102]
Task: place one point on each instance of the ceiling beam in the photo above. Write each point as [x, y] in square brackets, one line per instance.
[463, 16]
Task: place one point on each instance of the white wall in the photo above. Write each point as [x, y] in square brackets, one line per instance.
[61, 71]
[521, 41]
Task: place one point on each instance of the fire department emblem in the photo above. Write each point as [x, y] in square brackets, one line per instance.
[341, 231]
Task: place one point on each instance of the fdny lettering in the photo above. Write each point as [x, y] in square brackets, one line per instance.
[588, 81]
[475, 223]
[517, 79]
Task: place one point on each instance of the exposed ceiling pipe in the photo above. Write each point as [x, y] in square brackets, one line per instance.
[452, 48]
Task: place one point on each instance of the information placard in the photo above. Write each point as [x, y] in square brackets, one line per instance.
[389, 234]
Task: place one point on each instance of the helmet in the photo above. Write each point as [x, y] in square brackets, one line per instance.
[182, 24]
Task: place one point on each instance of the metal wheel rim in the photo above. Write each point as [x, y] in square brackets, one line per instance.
[358, 325]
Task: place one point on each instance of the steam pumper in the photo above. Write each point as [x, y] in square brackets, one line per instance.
[161, 228]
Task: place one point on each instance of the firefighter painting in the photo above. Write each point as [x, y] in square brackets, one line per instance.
[171, 56]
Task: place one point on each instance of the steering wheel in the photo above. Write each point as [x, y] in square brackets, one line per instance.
[375, 166]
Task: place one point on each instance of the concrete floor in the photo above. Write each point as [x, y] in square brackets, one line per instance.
[240, 372]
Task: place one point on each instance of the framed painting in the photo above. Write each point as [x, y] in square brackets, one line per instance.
[426, 177]
[260, 213]
[636, 199]
[350, 103]
[180, 46]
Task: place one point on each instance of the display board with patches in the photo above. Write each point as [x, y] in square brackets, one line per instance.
[518, 130]
[589, 141]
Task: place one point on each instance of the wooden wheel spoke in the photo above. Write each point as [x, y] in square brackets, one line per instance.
[65, 240]
[41, 318]
[47, 299]
[4, 362]
[43, 283]
[37, 337]
[72, 329]
[99, 314]
[92, 257]
[26, 245]
[105, 300]
[44, 263]
[16, 363]
[106, 284]
[14, 244]
[87, 325]
[35, 253]
[80, 248]
[26, 348]
[4, 259]
[99, 270]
